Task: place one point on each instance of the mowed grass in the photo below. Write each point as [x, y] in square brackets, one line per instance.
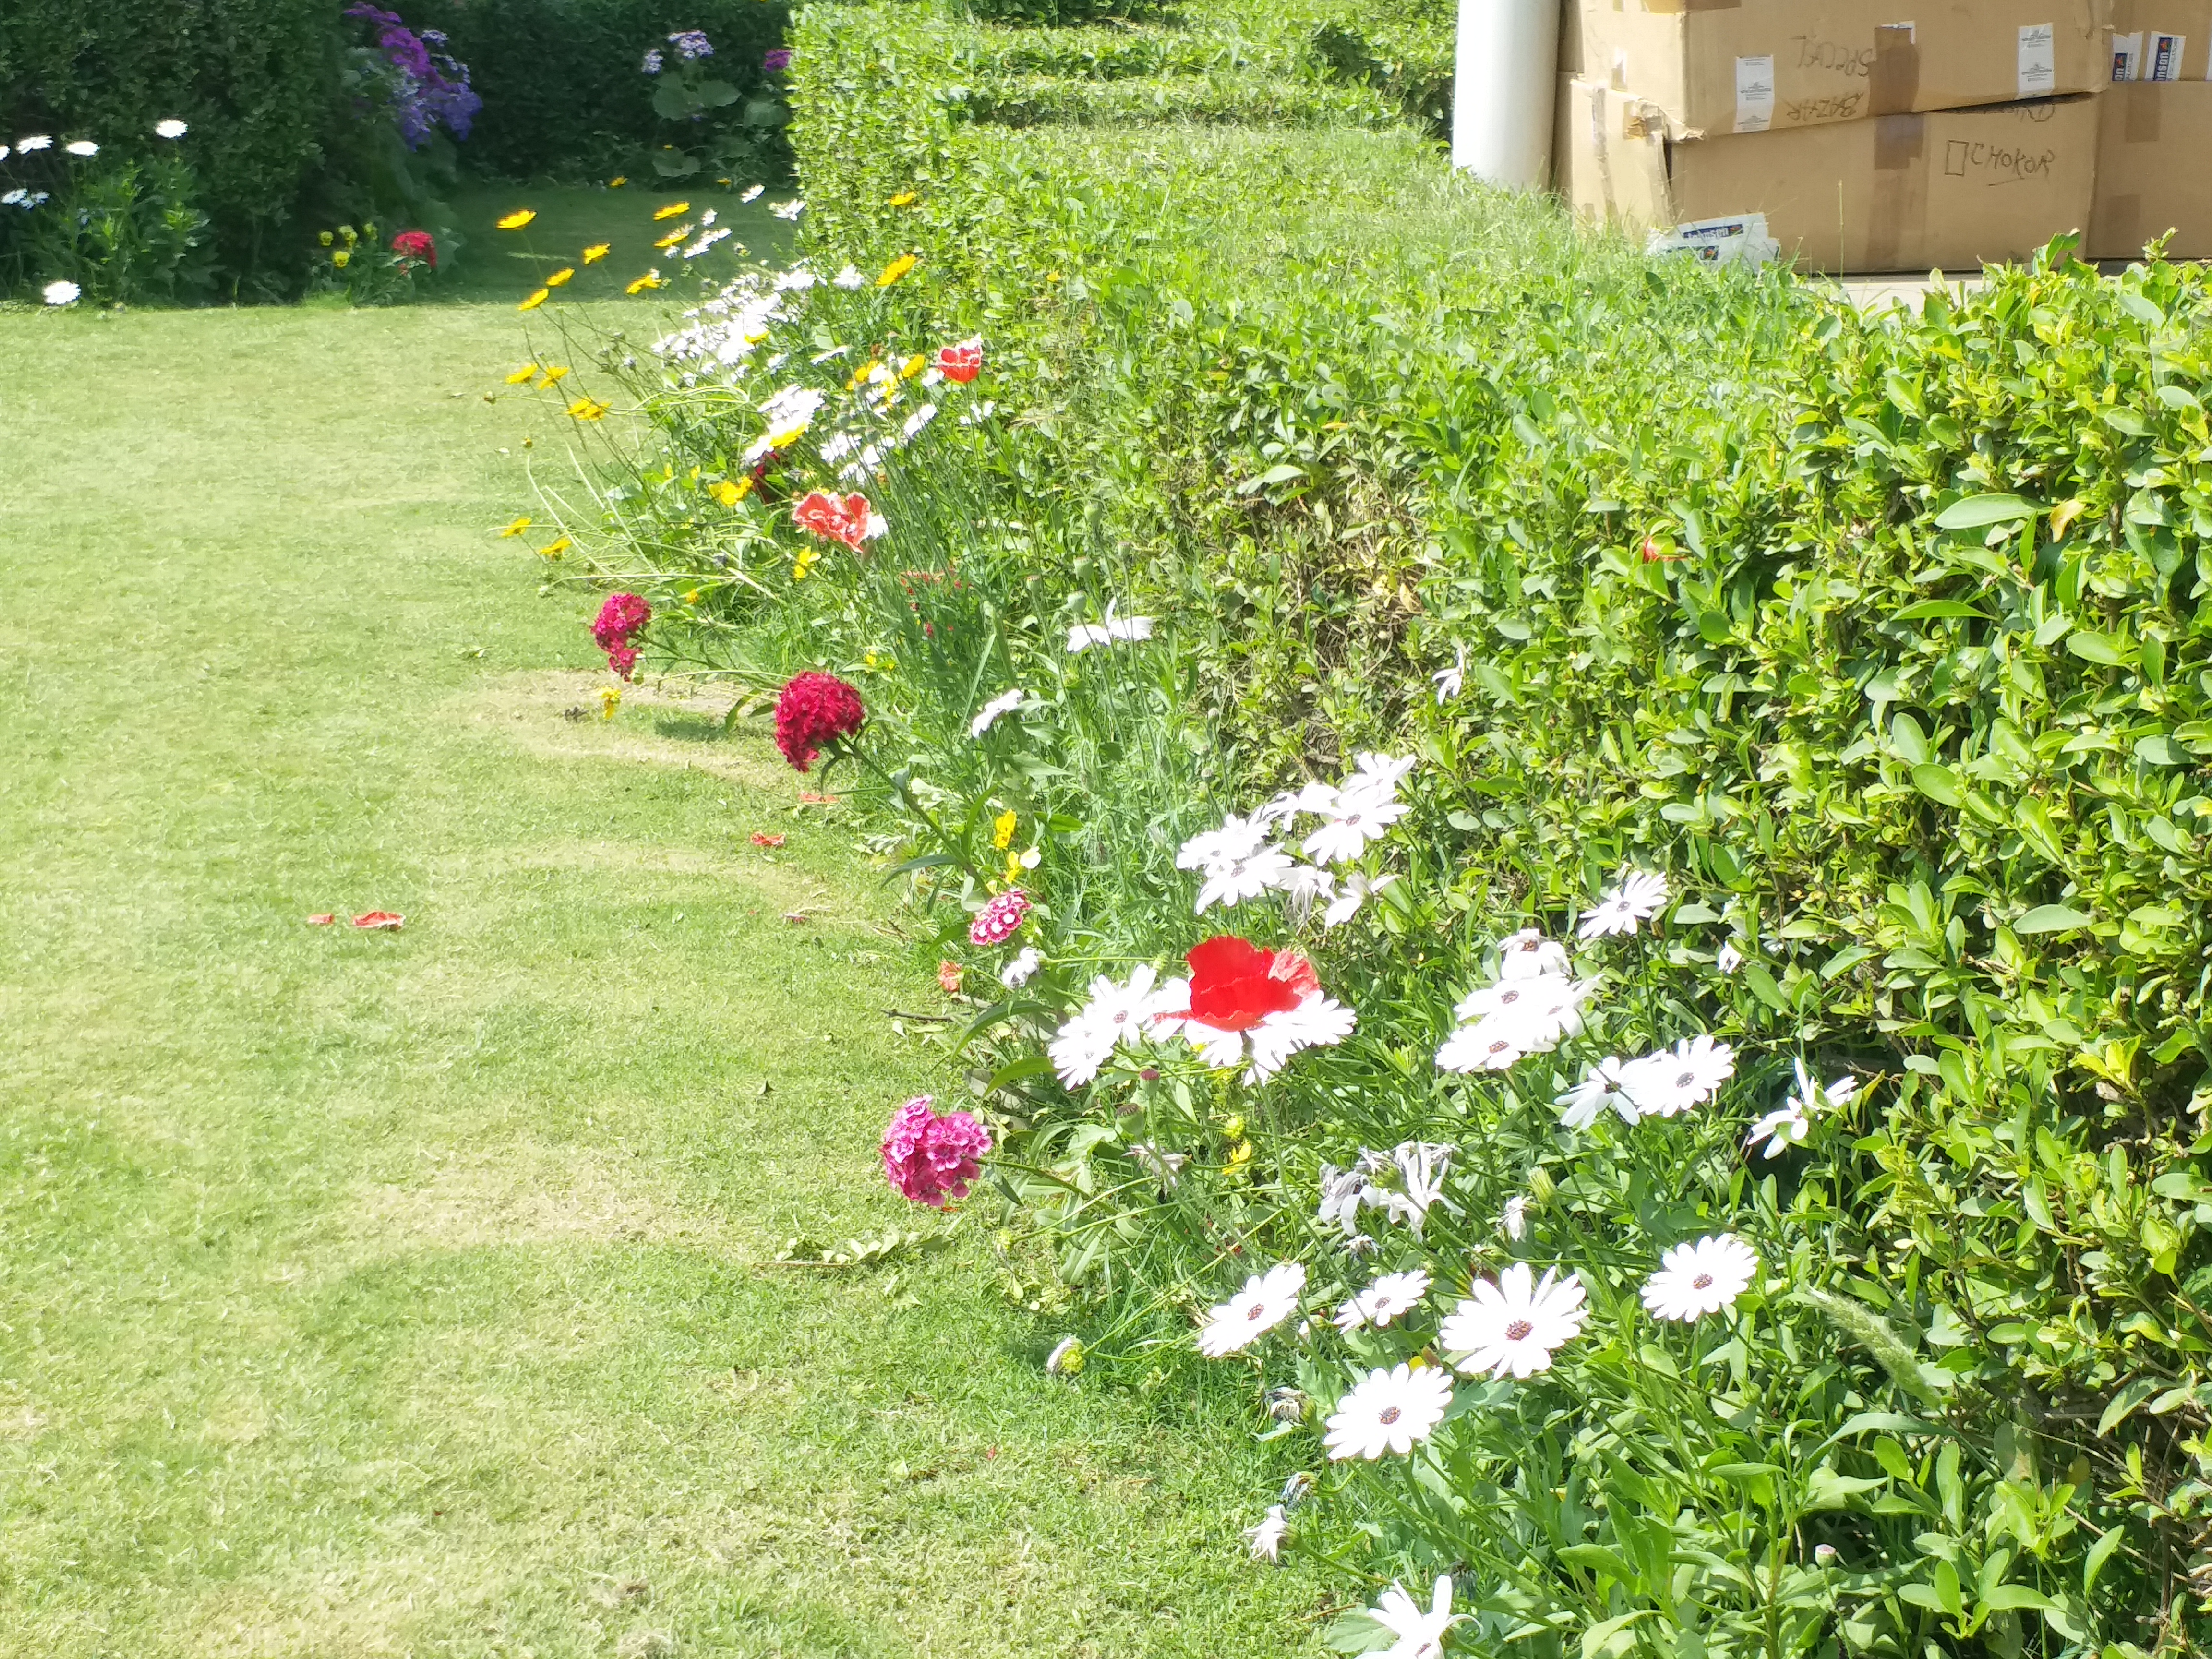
[372, 1293]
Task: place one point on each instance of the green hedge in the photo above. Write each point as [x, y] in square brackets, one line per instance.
[255, 79]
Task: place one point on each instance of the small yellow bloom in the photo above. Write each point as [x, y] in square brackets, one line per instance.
[597, 251]
[730, 493]
[554, 373]
[1052, 276]
[1002, 831]
[672, 210]
[560, 276]
[347, 231]
[755, 337]
[691, 597]
[519, 217]
[1240, 1154]
[804, 561]
[528, 371]
[327, 238]
[673, 237]
[618, 181]
[535, 300]
[1013, 868]
[369, 231]
[904, 198]
[913, 366]
[789, 436]
[860, 375]
[651, 279]
[610, 700]
[342, 258]
[517, 528]
[556, 548]
[897, 267]
[587, 408]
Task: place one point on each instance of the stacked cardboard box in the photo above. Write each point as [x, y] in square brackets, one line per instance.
[2156, 128]
[1964, 133]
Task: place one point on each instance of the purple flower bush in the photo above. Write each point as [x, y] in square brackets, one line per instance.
[429, 90]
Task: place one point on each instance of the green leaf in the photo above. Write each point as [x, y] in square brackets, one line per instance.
[1597, 1558]
[2099, 1552]
[2162, 752]
[1930, 609]
[1978, 511]
[1938, 783]
[1614, 1636]
[1357, 1631]
[2097, 647]
[2051, 919]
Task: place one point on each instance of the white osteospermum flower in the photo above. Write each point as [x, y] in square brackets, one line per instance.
[1005, 703]
[1640, 895]
[787, 210]
[1318, 1022]
[1233, 883]
[1496, 1044]
[1388, 1296]
[1388, 1411]
[1450, 682]
[1380, 773]
[1700, 1279]
[37, 141]
[1547, 1003]
[172, 127]
[1728, 958]
[1311, 798]
[83, 147]
[752, 194]
[1420, 1635]
[1114, 1015]
[1408, 1182]
[1341, 1194]
[850, 277]
[1214, 849]
[1781, 1129]
[61, 293]
[1672, 1081]
[1358, 890]
[1529, 955]
[1599, 1089]
[1266, 1537]
[1811, 1097]
[1266, 1300]
[1113, 630]
[1511, 1326]
[1356, 817]
[1514, 1222]
[915, 422]
[1022, 968]
[1306, 885]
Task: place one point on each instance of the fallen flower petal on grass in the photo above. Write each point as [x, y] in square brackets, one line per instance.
[369, 920]
[327, 919]
[761, 838]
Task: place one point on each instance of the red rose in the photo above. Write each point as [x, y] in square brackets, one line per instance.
[1234, 984]
[813, 711]
[962, 362]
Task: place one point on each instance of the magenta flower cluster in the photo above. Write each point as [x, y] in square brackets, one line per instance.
[999, 920]
[616, 629]
[427, 89]
[933, 1157]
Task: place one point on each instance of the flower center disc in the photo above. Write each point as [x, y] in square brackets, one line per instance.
[1518, 1331]
[1702, 1282]
[1685, 1080]
[1258, 1308]
[1389, 1415]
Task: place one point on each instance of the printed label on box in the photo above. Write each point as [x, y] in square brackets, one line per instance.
[2039, 60]
[2127, 56]
[2162, 53]
[1755, 93]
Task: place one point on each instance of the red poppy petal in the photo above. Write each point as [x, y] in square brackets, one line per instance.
[388, 919]
[326, 919]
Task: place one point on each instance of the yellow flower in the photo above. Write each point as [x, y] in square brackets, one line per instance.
[587, 408]
[671, 210]
[369, 231]
[913, 366]
[1002, 831]
[528, 371]
[1240, 1154]
[342, 258]
[517, 528]
[618, 181]
[516, 220]
[673, 237]
[789, 436]
[610, 700]
[597, 251]
[897, 267]
[560, 276]
[535, 300]
[721, 181]
[729, 493]
[651, 279]
[1013, 868]
[691, 597]
[904, 198]
[347, 231]
[804, 561]
[554, 373]
[556, 548]
[325, 239]
[860, 375]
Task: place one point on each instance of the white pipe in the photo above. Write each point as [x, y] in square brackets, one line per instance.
[1507, 75]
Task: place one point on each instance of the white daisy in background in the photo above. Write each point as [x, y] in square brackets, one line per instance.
[1514, 1222]
[1386, 1299]
[1309, 797]
[1005, 703]
[1266, 1300]
[1319, 1021]
[1492, 1045]
[1358, 890]
[1529, 955]
[1371, 770]
[4, 152]
[1342, 1192]
[1114, 1015]
[1549, 1005]
[915, 422]
[63, 293]
[1018, 972]
[1600, 1088]
[1113, 630]
[1357, 816]
[1212, 849]
[850, 277]
[171, 128]
[1811, 1097]
[1408, 1181]
[1700, 1279]
[1166, 1168]
[1304, 886]
[1390, 1411]
[752, 194]
[1673, 1080]
[787, 210]
[37, 141]
[1728, 958]
[1266, 1537]
[83, 147]
[1420, 1635]
[1450, 682]
[1640, 896]
[1781, 1129]
[1511, 1326]
[1235, 880]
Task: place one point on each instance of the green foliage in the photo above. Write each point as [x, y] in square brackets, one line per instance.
[126, 231]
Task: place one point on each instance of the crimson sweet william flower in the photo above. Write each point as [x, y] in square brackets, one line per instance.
[932, 1157]
[847, 519]
[620, 619]
[962, 362]
[417, 245]
[812, 711]
[997, 921]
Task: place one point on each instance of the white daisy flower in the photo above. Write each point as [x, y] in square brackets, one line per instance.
[1382, 774]
[1318, 1021]
[1116, 1015]
[1514, 1222]
[1700, 1279]
[1529, 955]
[1306, 885]
[1388, 1296]
[1450, 682]
[1311, 798]
[1511, 1326]
[1266, 1537]
[1728, 958]
[915, 422]
[1640, 895]
[1005, 703]
[1810, 1096]
[850, 277]
[1420, 1635]
[1672, 1081]
[787, 210]
[1408, 1181]
[1548, 1005]
[1342, 1192]
[83, 147]
[1111, 631]
[1781, 1129]
[1022, 968]
[1214, 849]
[1358, 890]
[1600, 1088]
[11, 197]
[1355, 819]
[1390, 1411]
[1266, 1300]
[36, 141]
[170, 129]
[1496, 1044]
[752, 194]
[63, 293]
[1239, 879]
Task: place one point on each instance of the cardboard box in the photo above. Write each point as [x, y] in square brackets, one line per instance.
[1949, 188]
[2150, 175]
[2161, 40]
[1742, 66]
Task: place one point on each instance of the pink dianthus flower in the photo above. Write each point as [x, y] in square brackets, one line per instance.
[620, 619]
[999, 920]
[933, 1157]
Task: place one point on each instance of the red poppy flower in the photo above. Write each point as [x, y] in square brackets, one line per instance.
[848, 520]
[1234, 984]
[813, 711]
[388, 920]
[962, 362]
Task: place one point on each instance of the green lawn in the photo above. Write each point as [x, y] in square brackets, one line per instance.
[408, 1294]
